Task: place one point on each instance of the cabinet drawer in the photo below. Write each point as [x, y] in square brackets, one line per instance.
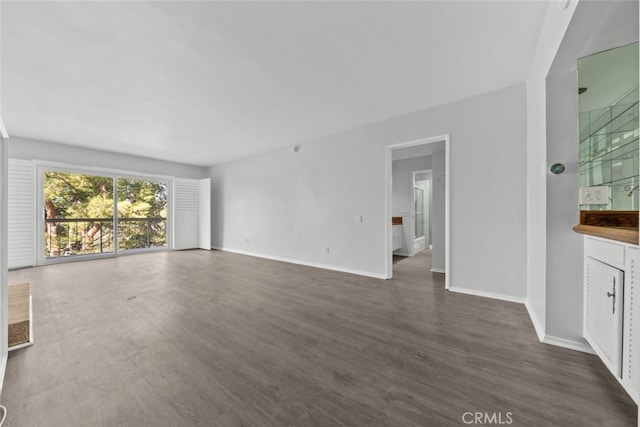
[608, 252]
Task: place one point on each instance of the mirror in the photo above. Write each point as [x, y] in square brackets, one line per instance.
[608, 126]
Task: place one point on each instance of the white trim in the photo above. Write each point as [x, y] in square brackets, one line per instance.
[537, 325]
[298, 262]
[438, 270]
[120, 173]
[502, 297]
[3, 130]
[204, 214]
[447, 208]
[3, 369]
[570, 344]
[447, 212]
[19, 346]
[555, 341]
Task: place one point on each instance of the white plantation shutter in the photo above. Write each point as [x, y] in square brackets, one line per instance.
[21, 216]
[185, 230]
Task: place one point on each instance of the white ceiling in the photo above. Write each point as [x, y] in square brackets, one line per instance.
[207, 82]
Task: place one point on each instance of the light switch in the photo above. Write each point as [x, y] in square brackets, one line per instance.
[594, 195]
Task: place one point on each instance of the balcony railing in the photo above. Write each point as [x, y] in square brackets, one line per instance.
[83, 236]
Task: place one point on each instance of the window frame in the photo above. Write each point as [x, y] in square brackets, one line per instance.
[114, 174]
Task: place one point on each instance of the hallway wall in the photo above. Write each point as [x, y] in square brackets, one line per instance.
[292, 206]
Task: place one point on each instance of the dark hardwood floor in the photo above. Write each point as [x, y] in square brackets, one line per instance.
[219, 339]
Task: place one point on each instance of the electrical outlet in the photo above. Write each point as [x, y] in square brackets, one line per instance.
[594, 195]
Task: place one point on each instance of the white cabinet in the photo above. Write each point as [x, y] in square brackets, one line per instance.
[611, 301]
[603, 312]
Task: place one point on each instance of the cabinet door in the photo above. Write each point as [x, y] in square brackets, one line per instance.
[603, 312]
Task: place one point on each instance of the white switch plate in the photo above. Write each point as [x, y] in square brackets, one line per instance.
[594, 195]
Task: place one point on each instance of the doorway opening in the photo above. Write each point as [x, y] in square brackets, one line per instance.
[411, 227]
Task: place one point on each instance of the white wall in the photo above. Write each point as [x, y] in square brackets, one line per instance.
[4, 293]
[564, 247]
[564, 302]
[402, 197]
[553, 30]
[554, 278]
[294, 205]
[29, 149]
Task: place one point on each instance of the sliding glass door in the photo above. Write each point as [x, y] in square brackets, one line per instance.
[142, 214]
[78, 214]
[92, 215]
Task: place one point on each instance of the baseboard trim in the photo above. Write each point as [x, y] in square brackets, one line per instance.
[570, 344]
[537, 325]
[305, 263]
[487, 294]
[438, 270]
[556, 341]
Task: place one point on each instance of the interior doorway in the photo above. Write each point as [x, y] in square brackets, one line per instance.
[410, 159]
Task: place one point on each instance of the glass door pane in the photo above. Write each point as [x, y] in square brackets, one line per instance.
[78, 214]
[142, 214]
[419, 212]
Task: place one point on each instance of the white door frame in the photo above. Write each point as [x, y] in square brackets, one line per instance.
[388, 202]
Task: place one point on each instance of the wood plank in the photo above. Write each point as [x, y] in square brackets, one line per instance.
[626, 219]
[214, 338]
[620, 234]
